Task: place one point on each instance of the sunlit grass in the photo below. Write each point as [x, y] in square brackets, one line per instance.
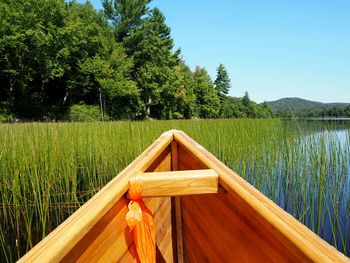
[47, 171]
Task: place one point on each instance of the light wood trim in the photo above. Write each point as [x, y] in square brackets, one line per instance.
[174, 158]
[177, 207]
[285, 228]
[179, 232]
[177, 183]
[60, 241]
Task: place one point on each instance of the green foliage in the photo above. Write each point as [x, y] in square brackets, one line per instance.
[30, 50]
[301, 104]
[222, 82]
[233, 108]
[55, 54]
[207, 98]
[85, 113]
[50, 49]
[244, 108]
[295, 107]
[178, 97]
[5, 117]
[151, 48]
[126, 15]
[111, 75]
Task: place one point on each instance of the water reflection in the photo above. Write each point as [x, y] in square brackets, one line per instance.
[313, 178]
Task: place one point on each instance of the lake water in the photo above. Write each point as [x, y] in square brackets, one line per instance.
[326, 145]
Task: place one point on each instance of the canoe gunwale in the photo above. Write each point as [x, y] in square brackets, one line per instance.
[60, 241]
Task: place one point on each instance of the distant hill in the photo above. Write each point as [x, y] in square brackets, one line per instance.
[301, 104]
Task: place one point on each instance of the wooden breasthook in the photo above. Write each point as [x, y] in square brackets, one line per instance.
[203, 211]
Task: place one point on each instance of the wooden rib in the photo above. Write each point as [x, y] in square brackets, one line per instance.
[179, 232]
[177, 207]
[177, 183]
[63, 239]
[174, 157]
[283, 227]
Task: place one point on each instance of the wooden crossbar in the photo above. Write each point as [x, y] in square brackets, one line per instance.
[177, 183]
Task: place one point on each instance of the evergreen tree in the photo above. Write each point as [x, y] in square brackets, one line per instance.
[126, 15]
[146, 38]
[246, 99]
[157, 63]
[249, 108]
[222, 82]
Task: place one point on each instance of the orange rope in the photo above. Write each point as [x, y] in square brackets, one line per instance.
[140, 221]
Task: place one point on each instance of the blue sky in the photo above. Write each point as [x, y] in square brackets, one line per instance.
[272, 49]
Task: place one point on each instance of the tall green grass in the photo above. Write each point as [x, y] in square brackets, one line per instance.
[47, 171]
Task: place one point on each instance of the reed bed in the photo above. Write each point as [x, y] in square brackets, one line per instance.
[48, 170]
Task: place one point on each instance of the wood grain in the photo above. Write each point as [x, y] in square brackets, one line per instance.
[286, 231]
[177, 183]
[187, 161]
[225, 234]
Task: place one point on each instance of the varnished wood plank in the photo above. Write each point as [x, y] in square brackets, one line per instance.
[174, 156]
[102, 236]
[130, 255]
[179, 232]
[161, 208]
[165, 246]
[177, 183]
[231, 238]
[162, 163]
[187, 161]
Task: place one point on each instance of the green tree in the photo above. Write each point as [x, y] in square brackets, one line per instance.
[207, 98]
[233, 108]
[126, 15]
[31, 52]
[177, 98]
[111, 76]
[99, 70]
[146, 38]
[157, 63]
[55, 54]
[222, 82]
[246, 100]
[249, 108]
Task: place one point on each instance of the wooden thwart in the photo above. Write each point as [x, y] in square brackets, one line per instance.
[177, 183]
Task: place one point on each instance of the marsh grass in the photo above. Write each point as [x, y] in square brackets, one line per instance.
[49, 170]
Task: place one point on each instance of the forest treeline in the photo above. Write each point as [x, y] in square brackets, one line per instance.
[332, 112]
[67, 61]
